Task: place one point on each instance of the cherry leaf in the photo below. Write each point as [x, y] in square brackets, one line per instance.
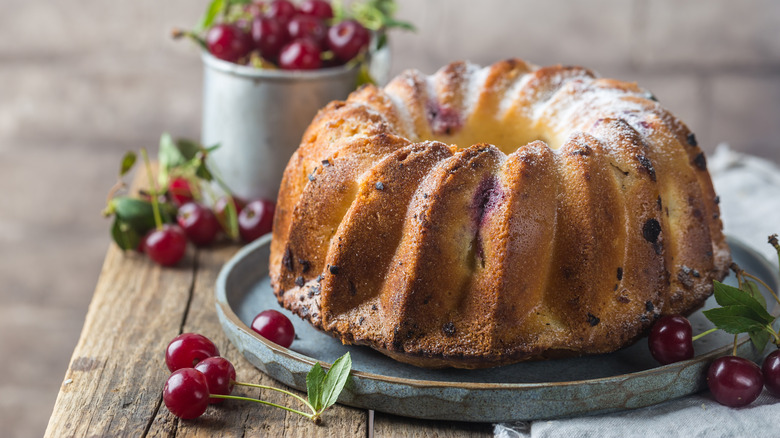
[735, 319]
[213, 10]
[728, 296]
[751, 288]
[335, 380]
[127, 163]
[124, 235]
[759, 338]
[314, 380]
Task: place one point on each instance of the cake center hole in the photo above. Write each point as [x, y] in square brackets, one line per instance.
[505, 135]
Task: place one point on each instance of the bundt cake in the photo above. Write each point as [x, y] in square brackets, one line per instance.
[485, 216]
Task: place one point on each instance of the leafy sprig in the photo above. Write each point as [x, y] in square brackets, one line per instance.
[743, 309]
[323, 389]
[134, 216]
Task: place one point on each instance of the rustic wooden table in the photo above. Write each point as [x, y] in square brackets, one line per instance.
[113, 385]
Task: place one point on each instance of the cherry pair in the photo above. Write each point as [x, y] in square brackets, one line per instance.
[734, 381]
[198, 373]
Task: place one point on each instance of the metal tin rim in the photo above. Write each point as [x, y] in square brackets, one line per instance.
[230, 68]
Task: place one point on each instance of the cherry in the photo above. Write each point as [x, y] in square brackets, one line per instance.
[198, 222]
[186, 393]
[670, 339]
[317, 8]
[180, 191]
[187, 349]
[228, 42]
[268, 36]
[282, 11]
[275, 327]
[167, 245]
[256, 219]
[734, 381]
[347, 39]
[771, 371]
[220, 375]
[221, 209]
[308, 26]
[301, 54]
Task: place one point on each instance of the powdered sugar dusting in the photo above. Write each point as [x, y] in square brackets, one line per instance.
[512, 94]
[475, 87]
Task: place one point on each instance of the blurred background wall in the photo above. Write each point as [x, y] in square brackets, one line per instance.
[83, 81]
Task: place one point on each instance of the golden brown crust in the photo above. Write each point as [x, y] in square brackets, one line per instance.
[508, 250]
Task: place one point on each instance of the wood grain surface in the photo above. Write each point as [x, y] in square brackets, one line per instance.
[113, 385]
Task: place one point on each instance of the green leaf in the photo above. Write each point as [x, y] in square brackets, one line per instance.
[180, 155]
[124, 235]
[135, 213]
[187, 148]
[202, 171]
[169, 157]
[127, 163]
[230, 224]
[334, 381]
[751, 288]
[213, 10]
[735, 319]
[728, 296]
[138, 214]
[314, 386]
[759, 338]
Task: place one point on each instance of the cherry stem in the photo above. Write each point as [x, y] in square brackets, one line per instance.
[253, 385]
[734, 350]
[774, 334]
[179, 33]
[763, 284]
[152, 190]
[702, 334]
[237, 397]
[118, 185]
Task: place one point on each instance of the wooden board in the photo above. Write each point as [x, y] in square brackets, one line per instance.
[113, 385]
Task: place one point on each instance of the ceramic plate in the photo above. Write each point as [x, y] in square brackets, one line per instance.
[627, 379]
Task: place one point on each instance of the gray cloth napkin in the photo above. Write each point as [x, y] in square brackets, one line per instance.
[749, 190]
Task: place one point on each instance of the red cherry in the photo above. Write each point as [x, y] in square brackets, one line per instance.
[670, 339]
[268, 36]
[256, 219]
[220, 375]
[187, 349]
[275, 327]
[302, 54]
[771, 371]
[317, 8]
[734, 381]
[228, 42]
[180, 191]
[199, 223]
[186, 393]
[166, 246]
[347, 39]
[282, 11]
[308, 26]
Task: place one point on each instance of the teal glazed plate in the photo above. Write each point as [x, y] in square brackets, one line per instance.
[627, 379]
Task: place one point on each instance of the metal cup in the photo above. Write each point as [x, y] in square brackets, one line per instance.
[258, 116]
